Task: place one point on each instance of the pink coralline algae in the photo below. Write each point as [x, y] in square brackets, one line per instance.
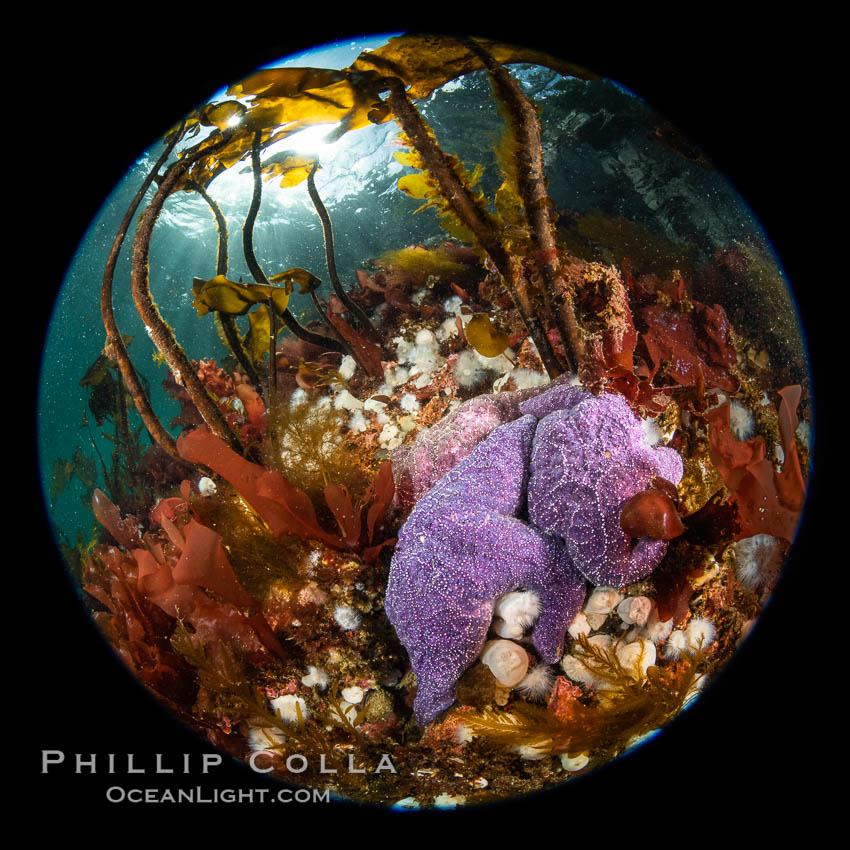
[418, 467]
[573, 459]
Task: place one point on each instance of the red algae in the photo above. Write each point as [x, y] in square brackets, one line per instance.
[769, 502]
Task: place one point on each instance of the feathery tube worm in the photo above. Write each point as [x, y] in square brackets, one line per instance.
[159, 331]
[524, 125]
[327, 232]
[251, 258]
[228, 323]
[472, 215]
[115, 347]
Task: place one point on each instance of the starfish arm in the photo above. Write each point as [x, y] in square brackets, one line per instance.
[561, 598]
[561, 397]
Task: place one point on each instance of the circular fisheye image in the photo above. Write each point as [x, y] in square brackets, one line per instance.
[425, 420]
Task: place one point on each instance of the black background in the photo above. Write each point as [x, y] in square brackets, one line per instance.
[93, 94]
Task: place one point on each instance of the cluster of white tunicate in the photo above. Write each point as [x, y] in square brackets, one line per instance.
[579, 626]
[351, 702]
[417, 359]
[741, 421]
[392, 433]
[537, 683]
[449, 326]
[508, 661]
[636, 657]
[207, 487]
[449, 801]
[755, 558]
[315, 678]
[393, 430]
[420, 357]
[635, 610]
[515, 612]
[468, 371]
[288, 707]
[641, 614]
[601, 602]
[344, 400]
[347, 618]
[696, 637]
[347, 367]
[636, 650]
[353, 694]
[576, 763]
[575, 668]
[263, 737]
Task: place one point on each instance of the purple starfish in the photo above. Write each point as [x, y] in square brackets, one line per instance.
[460, 549]
[576, 458]
[590, 457]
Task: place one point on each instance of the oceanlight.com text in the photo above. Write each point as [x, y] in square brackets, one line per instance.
[118, 794]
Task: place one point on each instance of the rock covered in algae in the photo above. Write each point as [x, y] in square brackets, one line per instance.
[575, 458]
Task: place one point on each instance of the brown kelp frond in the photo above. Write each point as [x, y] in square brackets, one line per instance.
[425, 62]
[81, 467]
[604, 664]
[226, 324]
[321, 735]
[484, 337]
[294, 98]
[292, 168]
[425, 186]
[313, 375]
[525, 725]
[421, 263]
[124, 468]
[337, 714]
[235, 299]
